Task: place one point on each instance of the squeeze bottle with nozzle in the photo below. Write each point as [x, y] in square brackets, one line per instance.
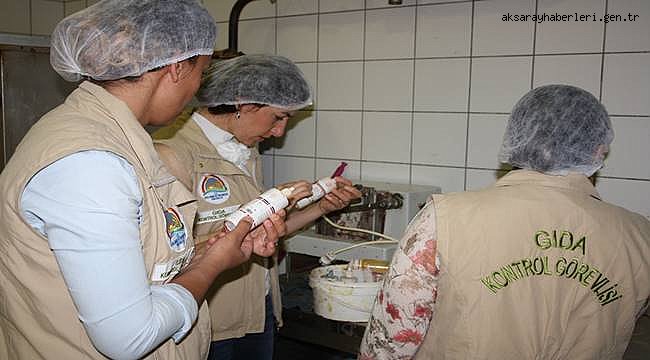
[322, 187]
[260, 208]
[318, 190]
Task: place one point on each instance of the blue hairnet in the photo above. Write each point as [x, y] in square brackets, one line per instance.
[255, 79]
[114, 39]
[557, 129]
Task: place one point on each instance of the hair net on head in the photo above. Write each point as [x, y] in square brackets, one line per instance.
[557, 129]
[114, 39]
[255, 79]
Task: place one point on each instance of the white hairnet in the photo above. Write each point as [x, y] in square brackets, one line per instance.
[557, 129]
[114, 39]
[255, 79]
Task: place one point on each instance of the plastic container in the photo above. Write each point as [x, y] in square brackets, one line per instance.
[318, 190]
[260, 208]
[342, 297]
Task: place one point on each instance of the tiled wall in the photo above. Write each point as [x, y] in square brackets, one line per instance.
[36, 17]
[420, 93]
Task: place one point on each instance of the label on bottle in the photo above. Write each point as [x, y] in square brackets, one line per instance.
[259, 209]
[318, 190]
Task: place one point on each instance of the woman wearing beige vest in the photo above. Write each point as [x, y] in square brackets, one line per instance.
[243, 101]
[536, 266]
[97, 251]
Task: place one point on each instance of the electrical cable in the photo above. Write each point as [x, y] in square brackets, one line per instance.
[329, 221]
[331, 255]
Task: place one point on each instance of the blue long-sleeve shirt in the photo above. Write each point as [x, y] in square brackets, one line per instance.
[89, 207]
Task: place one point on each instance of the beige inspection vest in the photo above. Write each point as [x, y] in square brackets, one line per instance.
[38, 319]
[236, 299]
[537, 267]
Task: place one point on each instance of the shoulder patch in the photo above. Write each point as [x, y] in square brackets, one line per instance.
[213, 189]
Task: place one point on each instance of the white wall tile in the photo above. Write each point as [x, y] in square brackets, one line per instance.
[630, 149]
[297, 37]
[485, 138]
[582, 71]
[14, 17]
[570, 36]
[443, 30]
[326, 167]
[336, 38]
[309, 71]
[386, 136]
[340, 36]
[439, 139]
[448, 179]
[394, 173]
[71, 7]
[339, 85]
[480, 179]
[339, 134]
[441, 85]
[390, 33]
[220, 9]
[222, 37]
[372, 4]
[257, 36]
[388, 85]
[295, 7]
[493, 36]
[340, 5]
[267, 171]
[45, 16]
[626, 84]
[633, 195]
[289, 168]
[497, 83]
[300, 136]
[629, 35]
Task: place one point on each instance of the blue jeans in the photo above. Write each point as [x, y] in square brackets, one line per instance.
[257, 346]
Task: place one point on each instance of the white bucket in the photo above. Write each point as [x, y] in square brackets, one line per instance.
[342, 301]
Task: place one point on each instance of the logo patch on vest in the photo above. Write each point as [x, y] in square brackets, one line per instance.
[213, 189]
[176, 230]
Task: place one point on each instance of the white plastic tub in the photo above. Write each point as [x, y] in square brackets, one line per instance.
[339, 300]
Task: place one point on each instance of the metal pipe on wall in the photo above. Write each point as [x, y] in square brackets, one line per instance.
[233, 31]
[233, 23]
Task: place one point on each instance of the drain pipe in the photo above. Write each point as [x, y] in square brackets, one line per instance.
[233, 31]
[233, 23]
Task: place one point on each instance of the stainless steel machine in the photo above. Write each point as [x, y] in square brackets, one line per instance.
[385, 208]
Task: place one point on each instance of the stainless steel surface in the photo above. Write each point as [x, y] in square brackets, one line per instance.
[413, 197]
[369, 213]
[29, 89]
[24, 40]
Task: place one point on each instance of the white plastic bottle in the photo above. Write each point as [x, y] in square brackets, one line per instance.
[260, 208]
[318, 190]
